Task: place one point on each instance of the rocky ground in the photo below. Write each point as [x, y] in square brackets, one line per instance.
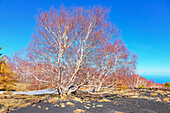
[124, 101]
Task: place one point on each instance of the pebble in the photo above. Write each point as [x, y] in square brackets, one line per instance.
[99, 105]
[70, 103]
[62, 105]
[153, 94]
[79, 111]
[39, 106]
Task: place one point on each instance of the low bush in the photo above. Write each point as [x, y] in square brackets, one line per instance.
[167, 85]
[141, 87]
[7, 76]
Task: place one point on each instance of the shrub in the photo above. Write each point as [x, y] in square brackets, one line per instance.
[141, 87]
[167, 85]
[7, 76]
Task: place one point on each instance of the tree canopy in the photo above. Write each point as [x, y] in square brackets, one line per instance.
[76, 47]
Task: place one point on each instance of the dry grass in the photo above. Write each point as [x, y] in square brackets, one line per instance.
[7, 93]
[18, 101]
[104, 100]
[57, 98]
[10, 101]
[21, 87]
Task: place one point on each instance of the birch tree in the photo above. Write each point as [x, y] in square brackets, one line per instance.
[76, 47]
[68, 40]
[113, 61]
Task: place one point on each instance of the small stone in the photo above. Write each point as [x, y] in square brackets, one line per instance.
[70, 103]
[78, 99]
[99, 105]
[153, 94]
[39, 106]
[118, 112]
[53, 101]
[33, 105]
[134, 96]
[115, 102]
[79, 111]
[57, 105]
[145, 97]
[87, 101]
[88, 104]
[87, 107]
[62, 105]
[104, 100]
[166, 99]
[45, 101]
[35, 101]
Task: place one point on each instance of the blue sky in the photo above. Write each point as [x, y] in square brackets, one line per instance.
[144, 25]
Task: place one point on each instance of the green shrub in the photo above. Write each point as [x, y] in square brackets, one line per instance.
[167, 85]
[141, 87]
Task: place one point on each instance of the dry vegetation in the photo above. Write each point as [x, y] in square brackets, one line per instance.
[9, 102]
[74, 50]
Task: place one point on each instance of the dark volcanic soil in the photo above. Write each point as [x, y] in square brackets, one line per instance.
[123, 101]
[117, 105]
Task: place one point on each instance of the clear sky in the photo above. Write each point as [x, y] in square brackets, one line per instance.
[144, 25]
